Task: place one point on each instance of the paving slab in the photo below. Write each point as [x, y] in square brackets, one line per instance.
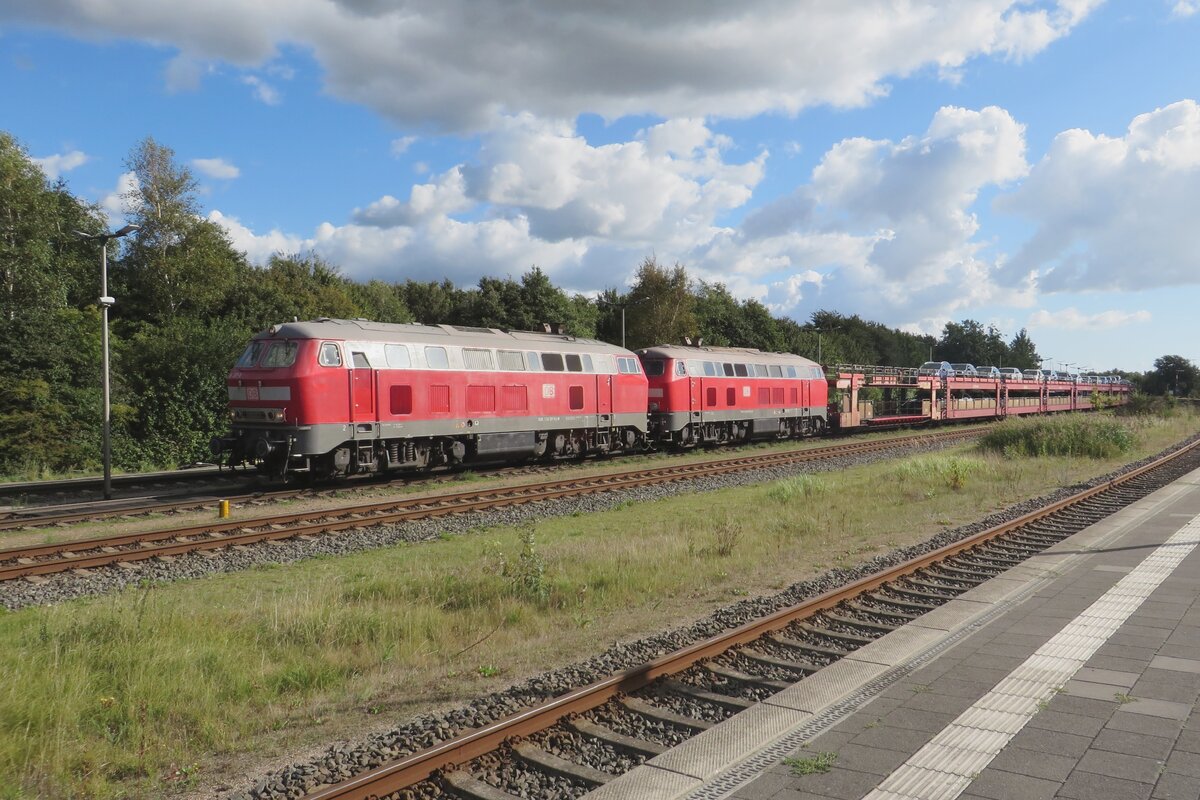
[1075, 675]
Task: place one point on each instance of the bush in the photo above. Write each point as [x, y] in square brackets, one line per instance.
[800, 487]
[950, 470]
[1076, 435]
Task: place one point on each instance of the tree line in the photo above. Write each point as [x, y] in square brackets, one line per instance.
[187, 301]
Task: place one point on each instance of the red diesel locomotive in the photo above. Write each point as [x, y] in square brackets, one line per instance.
[713, 395]
[338, 397]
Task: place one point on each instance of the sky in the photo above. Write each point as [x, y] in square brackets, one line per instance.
[1024, 163]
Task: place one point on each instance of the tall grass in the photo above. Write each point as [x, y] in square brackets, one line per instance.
[1076, 435]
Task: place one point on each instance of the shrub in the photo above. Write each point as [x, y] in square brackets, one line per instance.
[799, 487]
[953, 471]
[1076, 435]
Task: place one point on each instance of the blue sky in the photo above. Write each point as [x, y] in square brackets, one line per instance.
[1029, 164]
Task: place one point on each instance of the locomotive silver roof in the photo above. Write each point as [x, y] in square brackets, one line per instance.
[414, 333]
[739, 354]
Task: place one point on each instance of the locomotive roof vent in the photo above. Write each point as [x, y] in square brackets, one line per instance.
[556, 328]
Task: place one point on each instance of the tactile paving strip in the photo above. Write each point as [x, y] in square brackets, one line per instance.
[944, 768]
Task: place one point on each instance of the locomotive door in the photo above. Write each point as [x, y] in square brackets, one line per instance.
[362, 389]
[604, 393]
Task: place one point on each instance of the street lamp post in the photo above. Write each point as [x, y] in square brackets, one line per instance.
[622, 307]
[819, 331]
[106, 302]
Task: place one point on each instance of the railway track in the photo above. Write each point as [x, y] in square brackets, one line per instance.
[71, 488]
[578, 741]
[84, 554]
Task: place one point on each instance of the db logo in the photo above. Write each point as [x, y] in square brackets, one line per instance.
[251, 392]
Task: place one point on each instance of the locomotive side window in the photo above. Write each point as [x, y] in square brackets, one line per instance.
[760, 370]
[474, 358]
[250, 357]
[360, 361]
[680, 368]
[740, 370]
[574, 363]
[435, 358]
[330, 355]
[728, 368]
[534, 363]
[710, 369]
[655, 367]
[510, 360]
[552, 362]
[281, 354]
[776, 372]
[791, 372]
[397, 356]
[587, 363]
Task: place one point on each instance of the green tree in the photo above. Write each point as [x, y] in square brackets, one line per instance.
[1173, 375]
[661, 306]
[1022, 353]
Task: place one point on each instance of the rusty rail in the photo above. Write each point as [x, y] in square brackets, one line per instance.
[103, 551]
[422, 765]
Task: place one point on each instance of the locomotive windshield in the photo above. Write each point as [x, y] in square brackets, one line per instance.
[654, 366]
[281, 354]
[250, 357]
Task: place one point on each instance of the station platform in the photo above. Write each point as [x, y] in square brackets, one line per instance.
[1075, 675]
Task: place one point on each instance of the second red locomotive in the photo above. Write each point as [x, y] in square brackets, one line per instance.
[713, 395]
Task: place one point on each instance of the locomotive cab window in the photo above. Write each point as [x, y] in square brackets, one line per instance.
[680, 368]
[330, 356]
[250, 357]
[281, 354]
[574, 363]
[535, 363]
[587, 363]
[654, 367]
[552, 362]
[361, 361]
[435, 358]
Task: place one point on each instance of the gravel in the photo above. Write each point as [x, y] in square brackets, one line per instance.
[350, 758]
[67, 586]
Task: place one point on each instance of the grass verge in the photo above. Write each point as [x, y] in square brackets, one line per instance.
[158, 688]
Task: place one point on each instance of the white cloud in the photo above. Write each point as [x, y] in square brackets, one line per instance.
[1073, 319]
[538, 192]
[1185, 8]
[183, 73]
[113, 204]
[263, 91]
[217, 168]
[463, 64]
[400, 146]
[1114, 213]
[884, 227]
[57, 164]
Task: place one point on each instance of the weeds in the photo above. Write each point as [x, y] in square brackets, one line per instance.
[800, 487]
[1075, 435]
[950, 471]
[821, 762]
